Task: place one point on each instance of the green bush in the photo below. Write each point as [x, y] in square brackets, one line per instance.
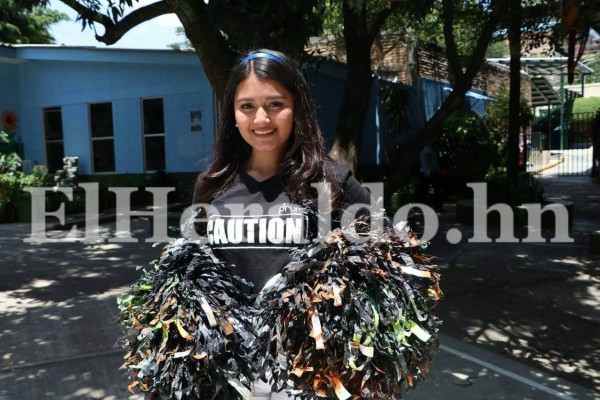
[13, 180]
[466, 150]
[586, 105]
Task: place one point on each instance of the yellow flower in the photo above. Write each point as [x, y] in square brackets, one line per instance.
[9, 121]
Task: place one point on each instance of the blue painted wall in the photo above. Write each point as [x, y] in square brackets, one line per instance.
[9, 98]
[55, 77]
[436, 92]
[327, 86]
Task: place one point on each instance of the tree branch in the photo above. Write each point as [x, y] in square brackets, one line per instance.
[379, 20]
[133, 19]
[451, 49]
[87, 13]
[484, 40]
[115, 31]
[461, 86]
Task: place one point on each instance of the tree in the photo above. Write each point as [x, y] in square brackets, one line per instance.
[25, 24]
[362, 24]
[514, 106]
[463, 66]
[186, 44]
[218, 30]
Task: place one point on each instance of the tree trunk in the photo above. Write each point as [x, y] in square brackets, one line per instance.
[462, 83]
[357, 90]
[213, 51]
[412, 66]
[514, 101]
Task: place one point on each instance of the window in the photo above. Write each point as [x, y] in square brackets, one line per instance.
[53, 132]
[103, 144]
[153, 116]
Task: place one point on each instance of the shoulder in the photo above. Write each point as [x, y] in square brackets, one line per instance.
[352, 190]
[339, 172]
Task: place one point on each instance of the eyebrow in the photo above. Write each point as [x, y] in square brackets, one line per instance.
[279, 96]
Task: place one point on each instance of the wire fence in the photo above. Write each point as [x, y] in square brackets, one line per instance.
[568, 150]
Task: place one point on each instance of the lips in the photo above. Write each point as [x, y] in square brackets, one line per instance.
[263, 132]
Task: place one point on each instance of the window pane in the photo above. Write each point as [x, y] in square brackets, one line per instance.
[54, 156]
[155, 153]
[53, 123]
[101, 120]
[154, 121]
[104, 155]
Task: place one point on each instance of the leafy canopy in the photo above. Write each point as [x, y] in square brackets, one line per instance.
[23, 24]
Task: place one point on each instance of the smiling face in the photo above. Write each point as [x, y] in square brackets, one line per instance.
[264, 113]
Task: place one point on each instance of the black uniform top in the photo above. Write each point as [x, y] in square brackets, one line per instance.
[253, 224]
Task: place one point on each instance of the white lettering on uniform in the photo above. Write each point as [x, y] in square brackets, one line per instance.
[235, 231]
[262, 230]
[209, 228]
[294, 230]
[250, 224]
[219, 234]
[275, 231]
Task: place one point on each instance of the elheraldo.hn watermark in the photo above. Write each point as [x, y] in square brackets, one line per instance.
[280, 227]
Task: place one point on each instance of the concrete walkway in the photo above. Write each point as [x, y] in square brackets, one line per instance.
[520, 320]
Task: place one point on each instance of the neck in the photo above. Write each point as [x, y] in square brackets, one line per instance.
[262, 165]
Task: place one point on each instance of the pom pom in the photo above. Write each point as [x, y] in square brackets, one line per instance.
[347, 320]
[190, 327]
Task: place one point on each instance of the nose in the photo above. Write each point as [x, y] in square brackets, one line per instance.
[261, 114]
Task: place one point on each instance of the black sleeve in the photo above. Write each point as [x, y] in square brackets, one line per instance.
[353, 192]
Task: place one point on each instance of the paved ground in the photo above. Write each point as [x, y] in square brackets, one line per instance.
[520, 319]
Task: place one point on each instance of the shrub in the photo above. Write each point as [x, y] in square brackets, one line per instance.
[466, 151]
[586, 105]
[13, 180]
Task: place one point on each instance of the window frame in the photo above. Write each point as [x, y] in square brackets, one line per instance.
[45, 110]
[152, 135]
[101, 138]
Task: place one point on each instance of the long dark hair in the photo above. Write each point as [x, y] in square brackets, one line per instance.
[305, 158]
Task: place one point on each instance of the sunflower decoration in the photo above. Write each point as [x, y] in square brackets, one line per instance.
[9, 121]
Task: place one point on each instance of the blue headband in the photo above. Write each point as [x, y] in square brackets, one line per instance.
[261, 55]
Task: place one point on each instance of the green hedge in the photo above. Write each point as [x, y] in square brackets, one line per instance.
[586, 105]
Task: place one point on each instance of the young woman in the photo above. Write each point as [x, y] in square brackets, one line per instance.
[268, 153]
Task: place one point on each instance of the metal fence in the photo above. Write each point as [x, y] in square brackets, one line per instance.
[566, 153]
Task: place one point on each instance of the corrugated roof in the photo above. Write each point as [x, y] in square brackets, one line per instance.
[544, 66]
[542, 93]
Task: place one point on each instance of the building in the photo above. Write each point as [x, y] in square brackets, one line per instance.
[127, 113]
[121, 112]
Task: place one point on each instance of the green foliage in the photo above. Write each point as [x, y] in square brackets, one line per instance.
[247, 24]
[186, 44]
[498, 50]
[9, 163]
[394, 98]
[586, 105]
[10, 179]
[13, 180]
[469, 18]
[21, 24]
[38, 178]
[497, 115]
[467, 150]
[396, 23]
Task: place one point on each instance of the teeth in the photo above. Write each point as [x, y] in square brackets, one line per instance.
[264, 132]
